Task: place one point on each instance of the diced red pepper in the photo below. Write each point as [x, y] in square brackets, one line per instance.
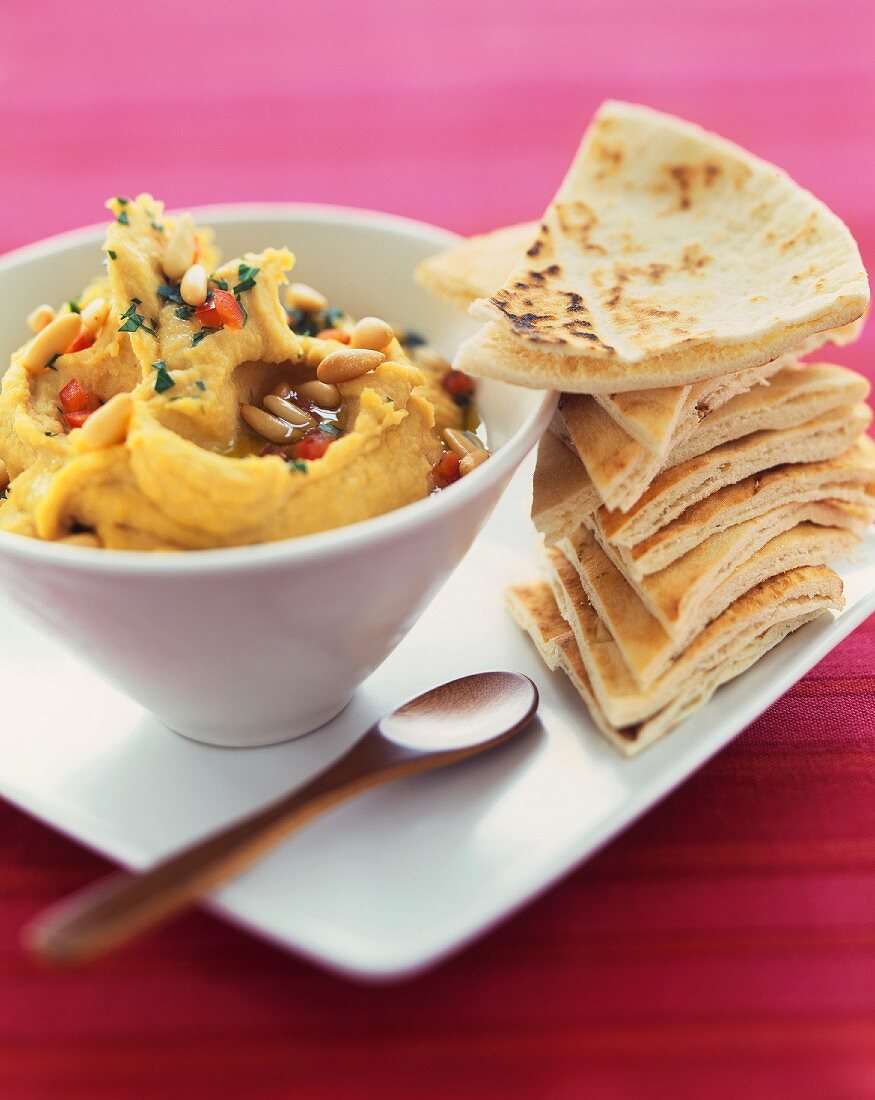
[84, 340]
[272, 449]
[333, 334]
[77, 418]
[313, 445]
[73, 397]
[446, 470]
[220, 308]
[459, 386]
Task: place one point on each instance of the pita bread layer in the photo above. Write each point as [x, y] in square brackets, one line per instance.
[533, 607]
[561, 490]
[679, 487]
[669, 255]
[848, 478]
[787, 596]
[621, 470]
[478, 266]
[648, 642]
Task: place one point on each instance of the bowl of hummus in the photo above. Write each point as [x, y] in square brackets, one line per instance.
[234, 459]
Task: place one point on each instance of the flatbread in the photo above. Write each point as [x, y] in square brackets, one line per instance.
[786, 596]
[478, 266]
[621, 470]
[561, 490]
[534, 608]
[654, 621]
[679, 487]
[849, 478]
[668, 256]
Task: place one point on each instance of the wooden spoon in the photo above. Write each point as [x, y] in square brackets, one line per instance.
[447, 724]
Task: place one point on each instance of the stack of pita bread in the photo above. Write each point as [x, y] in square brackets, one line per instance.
[698, 477]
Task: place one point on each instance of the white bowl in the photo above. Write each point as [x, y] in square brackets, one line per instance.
[255, 645]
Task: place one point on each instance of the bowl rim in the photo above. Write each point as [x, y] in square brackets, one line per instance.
[363, 534]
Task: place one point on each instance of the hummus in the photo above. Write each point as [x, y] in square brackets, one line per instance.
[186, 470]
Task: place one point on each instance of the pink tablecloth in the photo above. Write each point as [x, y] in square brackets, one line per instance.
[726, 945]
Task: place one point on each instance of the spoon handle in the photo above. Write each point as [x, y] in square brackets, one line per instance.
[115, 909]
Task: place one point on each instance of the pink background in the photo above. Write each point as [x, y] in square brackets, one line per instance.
[724, 945]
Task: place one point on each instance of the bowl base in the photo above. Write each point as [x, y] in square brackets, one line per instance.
[259, 735]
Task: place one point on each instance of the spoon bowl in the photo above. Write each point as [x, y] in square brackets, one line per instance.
[463, 713]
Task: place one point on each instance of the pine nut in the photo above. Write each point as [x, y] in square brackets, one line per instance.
[53, 340]
[321, 394]
[371, 333]
[82, 538]
[193, 288]
[109, 425]
[179, 251]
[428, 359]
[269, 427]
[463, 443]
[94, 314]
[303, 297]
[472, 461]
[348, 363]
[38, 318]
[4, 476]
[288, 411]
[283, 390]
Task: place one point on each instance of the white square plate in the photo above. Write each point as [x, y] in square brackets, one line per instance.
[392, 882]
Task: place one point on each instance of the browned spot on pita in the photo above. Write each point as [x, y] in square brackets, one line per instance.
[680, 173]
[576, 219]
[542, 242]
[694, 258]
[807, 234]
[688, 176]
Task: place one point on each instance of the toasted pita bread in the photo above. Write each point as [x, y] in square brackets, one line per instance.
[476, 267]
[849, 478]
[625, 703]
[621, 470]
[534, 609]
[653, 622]
[669, 255]
[679, 487]
[561, 491]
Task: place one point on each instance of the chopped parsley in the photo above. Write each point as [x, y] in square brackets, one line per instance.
[51, 363]
[220, 283]
[330, 427]
[202, 334]
[112, 255]
[201, 385]
[163, 381]
[3, 493]
[246, 273]
[73, 306]
[134, 320]
[295, 464]
[185, 313]
[311, 324]
[412, 340]
[170, 293]
[123, 218]
[157, 226]
[51, 435]
[122, 200]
